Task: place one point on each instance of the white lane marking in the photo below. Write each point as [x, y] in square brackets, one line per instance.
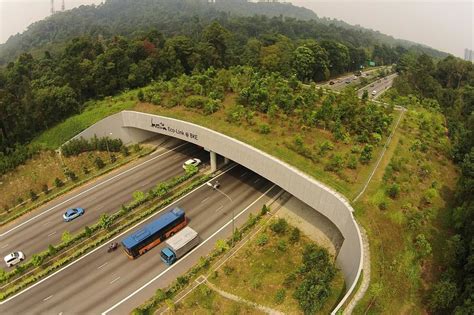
[45, 299]
[107, 244]
[204, 200]
[220, 208]
[6, 245]
[114, 280]
[243, 174]
[189, 253]
[257, 180]
[102, 265]
[51, 234]
[87, 190]
[46, 223]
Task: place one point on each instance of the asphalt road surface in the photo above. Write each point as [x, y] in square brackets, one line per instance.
[33, 232]
[379, 86]
[347, 80]
[102, 282]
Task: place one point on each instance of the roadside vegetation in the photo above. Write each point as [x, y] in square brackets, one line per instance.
[203, 300]
[48, 174]
[284, 270]
[405, 212]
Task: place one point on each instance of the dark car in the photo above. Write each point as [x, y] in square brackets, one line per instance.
[72, 213]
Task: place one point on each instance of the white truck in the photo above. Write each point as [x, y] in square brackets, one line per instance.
[178, 245]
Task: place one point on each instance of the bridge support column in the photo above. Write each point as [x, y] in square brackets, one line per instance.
[226, 161]
[213, 161]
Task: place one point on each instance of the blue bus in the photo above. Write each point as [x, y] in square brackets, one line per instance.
[154, 233]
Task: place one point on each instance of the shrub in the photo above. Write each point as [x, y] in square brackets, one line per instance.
[289, 280]
[45, 189]
[195, 101]
[264, 129]
[211, 106]
[221, 246]
[393, 190]
[366, 154]
[352, 162]
[87, 231]
[58, 182]
[422, 245]
[264, 210]
[295, 235]
[228, 270]
[99, 163]
[335, 164]
[51, 250]
[113, 158]
[66, 237]
[85, 170]
[383, 205]
[282, 246]
[262, 239]
[141, 96]
[280, 296]
[105, 221]
[70, 174]
[136, 147]
[37, 260]
[280, 226]
[33, 195]
[124, 150]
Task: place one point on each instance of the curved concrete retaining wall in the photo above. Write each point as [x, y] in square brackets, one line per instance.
[135, 126]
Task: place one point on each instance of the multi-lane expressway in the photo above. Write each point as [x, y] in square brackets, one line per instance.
[347, 80]
[112, 283]
[379, 86]
[33, 233]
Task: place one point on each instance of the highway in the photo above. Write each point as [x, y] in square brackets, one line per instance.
[379, 86]
[33, 232]
[102, 281]
[347, 80]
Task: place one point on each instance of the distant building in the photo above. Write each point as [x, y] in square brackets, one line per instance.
[468, 55]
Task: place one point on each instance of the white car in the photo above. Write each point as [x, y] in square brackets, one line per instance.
[374, 92]
[192, 161]
[14, 258]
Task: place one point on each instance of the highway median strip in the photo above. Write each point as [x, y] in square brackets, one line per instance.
[99, 233]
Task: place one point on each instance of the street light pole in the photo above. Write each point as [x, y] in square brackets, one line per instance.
[233, 215]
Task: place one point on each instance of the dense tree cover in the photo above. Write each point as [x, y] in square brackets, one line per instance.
[188, 17]
[448, 86]
[36, 93]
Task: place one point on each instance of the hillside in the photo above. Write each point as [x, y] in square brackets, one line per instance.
[170, 17]
[125, 17]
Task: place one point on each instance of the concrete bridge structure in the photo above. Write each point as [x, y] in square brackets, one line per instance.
[133, 127]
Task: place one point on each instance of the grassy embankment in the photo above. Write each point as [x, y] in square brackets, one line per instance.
[260, 272]
[38, 174]
[408, 202]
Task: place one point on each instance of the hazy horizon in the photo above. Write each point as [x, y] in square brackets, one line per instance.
[443, 25]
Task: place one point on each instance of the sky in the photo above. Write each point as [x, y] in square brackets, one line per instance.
[446, 25]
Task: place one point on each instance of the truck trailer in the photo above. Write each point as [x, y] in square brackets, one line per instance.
[178, 245]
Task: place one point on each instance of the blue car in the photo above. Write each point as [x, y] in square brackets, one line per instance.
[72, 213]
